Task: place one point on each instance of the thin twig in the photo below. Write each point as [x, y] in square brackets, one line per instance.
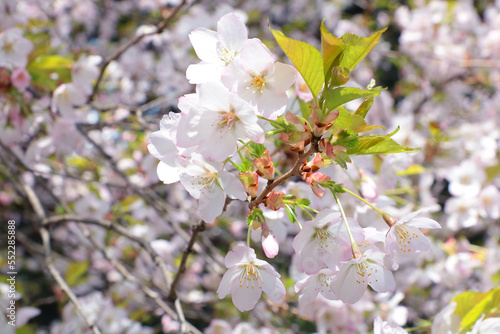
[40, 213]
[160, 27]
[54, 220]
[154, 295]
[182, 267]
[295, 171]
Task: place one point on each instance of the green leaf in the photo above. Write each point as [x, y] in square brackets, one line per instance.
[256, 150]
[334, 187]
[290, 212]
[43, 68]
[341, 95]
[303, 202]
[75, 273]
[50, 62]
[356, 48]
[331, 47]
[255, 214]
[347, 139]
[365, 106]
[472, 305]
[377, 144]
[492, 172]
[350, 121]
[306, 59]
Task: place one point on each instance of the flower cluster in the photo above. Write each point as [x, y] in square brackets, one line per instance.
[237, 82]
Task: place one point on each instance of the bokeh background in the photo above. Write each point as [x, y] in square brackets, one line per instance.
[85, 154]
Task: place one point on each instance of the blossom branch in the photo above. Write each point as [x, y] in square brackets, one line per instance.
[295, 171]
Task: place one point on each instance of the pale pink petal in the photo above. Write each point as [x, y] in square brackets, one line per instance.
[214, 96]
[255, 55]
[412, 215]
[211, 204]
[204, 43]
[347, 286]
[232, 186]
[379, 278]
[161, 147]
[272, 105]
[282, 78]
[232, 31]
[168, 174]
[273, 287]
[304, 237]
[238, 255]
[423, 222]
[307, 261]
[245, 296]
[230, 276]
[219, 146]
[252, 131]
[203, 72]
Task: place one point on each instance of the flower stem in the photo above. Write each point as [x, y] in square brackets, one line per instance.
[364, 201]
[345, 218]
[248, 233]
[356, 253]
[239, 149]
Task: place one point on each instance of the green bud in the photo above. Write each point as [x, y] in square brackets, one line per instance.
[340, 76]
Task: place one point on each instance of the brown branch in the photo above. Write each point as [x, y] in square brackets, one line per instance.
[182, 267]
[154, 295]
[160, 27]
[40, 213]
[54, 220]
[295, 171]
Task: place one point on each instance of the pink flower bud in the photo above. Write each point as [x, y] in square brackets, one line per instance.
[274, 200]
[265, 167]
[269, 243]
[300, 136]
[250, 182]
[20, 79]
[323, 122]
[319, 161]
[315, 180]
[368, 187]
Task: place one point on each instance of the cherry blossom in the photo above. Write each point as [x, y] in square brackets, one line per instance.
[315, 284]
[84, 71]
[489, 202]
[404, 238]
[324, 241]
[20, 79]
[216, 49]
[216, 122]
[383, 327]
[14, 48]
[259, 80]
[350, 283]
[462, 212]
[208, 183]
[465, 179]
[247, 277]
[446, 321]
[65, 97]
[162, 145]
